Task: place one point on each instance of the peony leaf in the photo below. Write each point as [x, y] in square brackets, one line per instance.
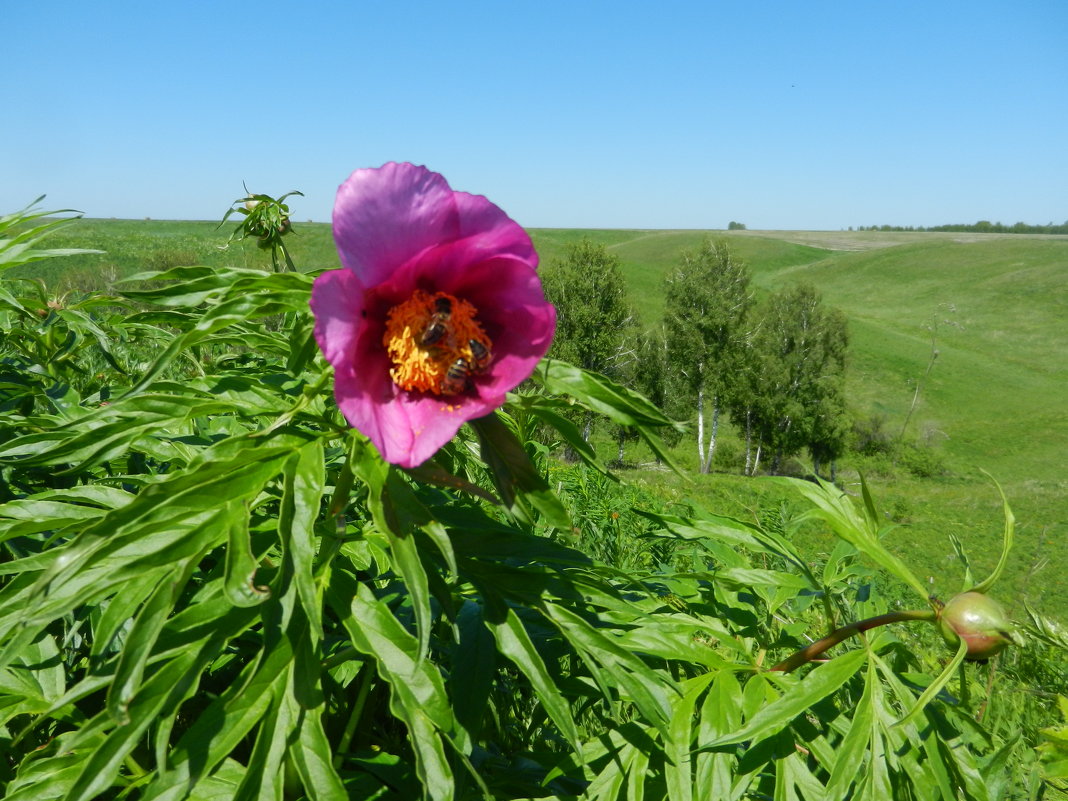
[936, 686]
[518, 482]
[1006, 542]
[772, 718]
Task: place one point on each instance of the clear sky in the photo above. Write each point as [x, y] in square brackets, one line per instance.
[796, 115]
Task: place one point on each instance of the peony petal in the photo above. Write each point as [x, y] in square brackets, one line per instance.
[384, 217]
[494, 231]
[337, 303]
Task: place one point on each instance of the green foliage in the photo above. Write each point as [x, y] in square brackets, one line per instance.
[708, 300]
[1006, 291]
[211, 587]
[982, 227]
[593, 318]
[795, 393]
[266, 219]
[590, 296]
[1054, 747]
[121, 248]
[19, 235]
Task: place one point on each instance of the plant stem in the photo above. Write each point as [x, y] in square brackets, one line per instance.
[810, 652]
[366, 679]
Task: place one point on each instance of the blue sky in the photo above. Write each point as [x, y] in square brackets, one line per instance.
[796, 115]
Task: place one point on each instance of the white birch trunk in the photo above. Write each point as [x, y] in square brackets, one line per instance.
[707, 466]
[700, 427]
[749, 442]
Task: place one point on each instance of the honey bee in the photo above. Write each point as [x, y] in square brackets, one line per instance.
[456, 377]
[438, 327]
[480, 355]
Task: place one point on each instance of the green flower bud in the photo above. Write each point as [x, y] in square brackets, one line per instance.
[979, 620]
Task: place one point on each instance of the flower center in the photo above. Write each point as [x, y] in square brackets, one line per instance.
[435, 343]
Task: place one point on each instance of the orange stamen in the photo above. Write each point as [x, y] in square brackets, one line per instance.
[426, 367]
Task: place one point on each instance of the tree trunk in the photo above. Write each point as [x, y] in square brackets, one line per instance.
[701, 428]
[749, 442]
[816, 466]
[707, 466]
[622, 438]
[756, 462]
[834, 471]
[586, 429]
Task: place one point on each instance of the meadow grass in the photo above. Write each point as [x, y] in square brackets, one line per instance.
[133, 246]
[994, 399]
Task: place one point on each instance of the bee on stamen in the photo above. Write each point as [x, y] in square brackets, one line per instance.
[438, 326]
[456, 377]
[481, 356]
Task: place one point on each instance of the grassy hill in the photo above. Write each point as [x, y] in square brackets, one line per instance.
[994, 400]
[994, 307]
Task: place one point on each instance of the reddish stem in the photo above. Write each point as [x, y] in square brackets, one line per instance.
[810, 652]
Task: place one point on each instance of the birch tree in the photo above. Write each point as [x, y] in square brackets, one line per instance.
[795, 393]
[830, 420]
[592, 313]
[707, 300]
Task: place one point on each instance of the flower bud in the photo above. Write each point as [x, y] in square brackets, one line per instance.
[979, 620]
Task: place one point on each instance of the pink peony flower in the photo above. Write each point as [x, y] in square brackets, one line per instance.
[436, 313]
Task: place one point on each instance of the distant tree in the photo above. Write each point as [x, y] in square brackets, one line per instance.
[627, 370]
[707, 301]
[652, 376]
[592, 312]
[743, 399]
[831, 427]
[796, 372]
[735, 226]
[830, 423]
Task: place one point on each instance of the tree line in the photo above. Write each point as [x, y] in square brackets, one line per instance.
[981, 227]
[775, 368]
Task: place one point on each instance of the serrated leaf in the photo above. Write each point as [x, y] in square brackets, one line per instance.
[602, 395]
[241, 564]
[644, 687]
[473, 670]
[856, 744]
[304, 479]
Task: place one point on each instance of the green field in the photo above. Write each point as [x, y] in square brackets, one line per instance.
[994, 400]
